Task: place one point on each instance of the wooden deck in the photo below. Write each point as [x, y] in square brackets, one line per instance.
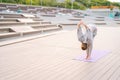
[51, 58]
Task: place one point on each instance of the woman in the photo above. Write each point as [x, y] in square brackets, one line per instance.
[87, 37]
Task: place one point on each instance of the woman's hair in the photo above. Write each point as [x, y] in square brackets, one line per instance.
[84, 46]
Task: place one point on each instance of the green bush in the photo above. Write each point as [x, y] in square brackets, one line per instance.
[78, 4]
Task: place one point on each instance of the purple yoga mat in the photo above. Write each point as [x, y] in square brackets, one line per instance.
[96, 55]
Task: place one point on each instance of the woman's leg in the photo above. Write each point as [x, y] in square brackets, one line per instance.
[89, 50]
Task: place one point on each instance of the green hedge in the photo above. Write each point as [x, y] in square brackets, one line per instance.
[78, 4]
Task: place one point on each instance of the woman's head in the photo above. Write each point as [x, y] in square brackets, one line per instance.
[84, 46]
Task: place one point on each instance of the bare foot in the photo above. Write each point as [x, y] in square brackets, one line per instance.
[88, 58]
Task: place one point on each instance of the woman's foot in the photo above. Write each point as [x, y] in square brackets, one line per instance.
[88, 58]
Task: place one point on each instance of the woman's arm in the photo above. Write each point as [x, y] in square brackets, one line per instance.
[81, 23]
[85, 25]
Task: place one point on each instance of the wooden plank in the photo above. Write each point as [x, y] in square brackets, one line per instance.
[107, 70]
[8, 35]
[97, 69]
[118, 77]
[89, 68]
[115, 74]
[91, 71]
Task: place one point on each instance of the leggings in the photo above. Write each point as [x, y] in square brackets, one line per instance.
[89, 48]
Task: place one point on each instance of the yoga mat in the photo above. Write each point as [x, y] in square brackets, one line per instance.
[96, 55]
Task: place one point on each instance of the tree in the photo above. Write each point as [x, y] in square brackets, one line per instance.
[78, 4]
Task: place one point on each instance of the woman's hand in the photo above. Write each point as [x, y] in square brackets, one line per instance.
[80, 23]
